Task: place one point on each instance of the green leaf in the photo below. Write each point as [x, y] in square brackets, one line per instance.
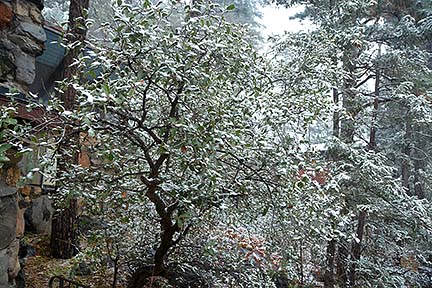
[106, 89]
[4, 147]
[3, 159]
[10, 121]
[230, 7]
[91, 74]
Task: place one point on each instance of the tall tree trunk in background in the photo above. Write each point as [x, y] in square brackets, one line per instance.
[347, 122]
[406, 151]
[329, 281]
[418, 183]
[341, 260]
[356, 247]
[336, 121]
[372, 145]
[329, 273]
[418, 162]
[373, 129]
[429, 49]
[347, 131]
[64, 234]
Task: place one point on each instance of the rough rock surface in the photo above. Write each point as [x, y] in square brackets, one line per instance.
[22, 39]
[5, 190]
[6, 14]
[8, 249]
[8, 215]
[38, 216]
[20, 223]
[13, 175]
[4, 265]
[34, 30]
[25, 67]
[13, 264]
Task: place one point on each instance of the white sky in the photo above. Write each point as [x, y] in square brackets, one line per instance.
[276, 20]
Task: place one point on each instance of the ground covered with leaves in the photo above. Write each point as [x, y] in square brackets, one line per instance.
[41, 267]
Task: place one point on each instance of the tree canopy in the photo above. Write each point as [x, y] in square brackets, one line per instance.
[206, 162]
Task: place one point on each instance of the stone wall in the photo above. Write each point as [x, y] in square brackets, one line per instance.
[21, 40]
[11, 228]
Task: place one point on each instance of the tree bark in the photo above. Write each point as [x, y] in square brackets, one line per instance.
[406, 151]
[418, 163]
[166, 243]
[418, 186]
[373, 130]
[64, 233]
[356, 247]
[336, 116]
[342, 257]
[329, 281]
[77, 32]
[165, 213]
[65, 224]
[361, 222]
[347, 123]
[347, 131]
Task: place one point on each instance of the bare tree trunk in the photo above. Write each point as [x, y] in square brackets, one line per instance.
[329, 281]
[412, 154]
[418, 186]
[168, 226]
[356, 247]
[361, 222]
[407, 153]
[418, 163]
[347, 131]
[336, 116]
[64, 234]
[347, 124]
[77, 32]
[342, 257]
[372, 135]
[166, 243]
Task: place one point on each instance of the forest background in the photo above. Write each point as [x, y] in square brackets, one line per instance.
[216, 160]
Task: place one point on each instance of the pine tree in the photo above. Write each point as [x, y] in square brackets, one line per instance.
[376, 47]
